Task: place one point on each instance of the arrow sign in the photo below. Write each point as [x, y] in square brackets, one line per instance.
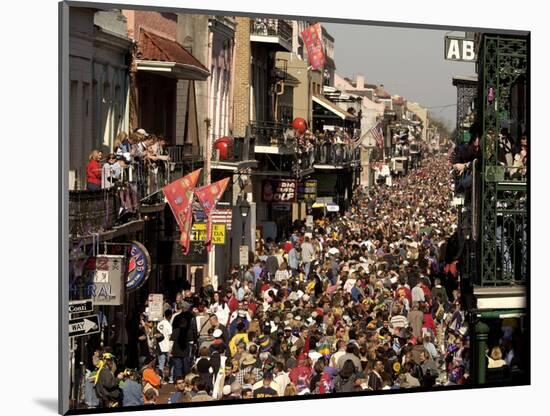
[86, 325]
[80, 306]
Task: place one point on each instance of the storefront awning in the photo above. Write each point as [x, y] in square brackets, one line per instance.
[322, 101]
[167, 57]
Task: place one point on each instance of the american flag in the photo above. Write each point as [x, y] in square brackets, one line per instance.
[376, 132]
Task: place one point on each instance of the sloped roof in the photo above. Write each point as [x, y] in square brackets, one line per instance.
[153, 47]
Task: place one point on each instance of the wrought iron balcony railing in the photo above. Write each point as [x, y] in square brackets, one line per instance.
[270, 134]
[92, 211]
[241, 151]
[336, 154]
[506, 263]
[271, 27]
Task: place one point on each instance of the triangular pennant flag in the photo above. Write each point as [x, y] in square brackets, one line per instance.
[179, 195]
[208, 196]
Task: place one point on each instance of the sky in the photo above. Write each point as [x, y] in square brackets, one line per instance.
[409, 62]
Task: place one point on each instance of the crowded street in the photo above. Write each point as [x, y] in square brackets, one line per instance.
[245, 221]
[361, 302]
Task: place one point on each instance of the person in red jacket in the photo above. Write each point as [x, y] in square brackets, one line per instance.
[429, 321]
[93, 171]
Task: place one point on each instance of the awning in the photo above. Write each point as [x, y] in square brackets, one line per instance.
[167, 57]
[330, 207]
[322, 101]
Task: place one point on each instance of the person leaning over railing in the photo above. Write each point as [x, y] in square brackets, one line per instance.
[463, 155]
[111, 171]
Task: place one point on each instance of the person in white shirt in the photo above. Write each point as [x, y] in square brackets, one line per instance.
[282, 273]
[281, 378]
[111, 171]
[417, 293]
[165, 346]
[308, 255]
[220, 308]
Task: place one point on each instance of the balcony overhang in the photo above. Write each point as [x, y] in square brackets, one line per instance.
[334, 109]
[117, 231]
[173, 70]
[276, 42]
[234, 166]
[275, 149]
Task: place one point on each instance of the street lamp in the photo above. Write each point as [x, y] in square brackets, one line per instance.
[244, 208]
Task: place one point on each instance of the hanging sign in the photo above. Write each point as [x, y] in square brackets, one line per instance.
[108, 288]
[279, 190]
[138, 267]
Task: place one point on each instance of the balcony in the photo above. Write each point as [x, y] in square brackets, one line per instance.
[184, 153]
[95, 216]
[275, 32]
[240, 156]
[496, 235]
[336, 156]
[272, 138]
[223, 24]
[107, 213]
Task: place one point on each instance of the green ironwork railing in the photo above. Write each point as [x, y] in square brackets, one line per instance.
[503, 232]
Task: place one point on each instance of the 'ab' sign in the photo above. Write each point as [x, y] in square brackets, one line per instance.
[459, 49]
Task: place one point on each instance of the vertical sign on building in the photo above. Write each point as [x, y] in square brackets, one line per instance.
[312, 37]
[108, 287]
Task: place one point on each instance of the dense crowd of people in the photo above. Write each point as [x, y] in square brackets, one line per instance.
[364, 301]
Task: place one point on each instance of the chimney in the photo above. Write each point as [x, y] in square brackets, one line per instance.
[360, 84]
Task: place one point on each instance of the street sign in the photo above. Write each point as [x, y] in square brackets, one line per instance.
[243, 256]
[80, 306]
[85, 325]
[155, 307]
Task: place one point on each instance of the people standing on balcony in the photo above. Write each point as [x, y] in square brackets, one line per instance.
[123, 147]
[465, 154]
[93, 171]
[111, 171]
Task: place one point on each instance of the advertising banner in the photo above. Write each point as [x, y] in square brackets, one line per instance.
[279, 190]
[314, 45]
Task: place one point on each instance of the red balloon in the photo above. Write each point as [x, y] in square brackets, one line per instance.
[300, 125]
[225, 146]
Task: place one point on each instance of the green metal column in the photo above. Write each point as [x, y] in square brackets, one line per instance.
[481, 336]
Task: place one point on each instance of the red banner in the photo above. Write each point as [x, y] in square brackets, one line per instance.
[313, 41]
[208, 196]
[179, 195]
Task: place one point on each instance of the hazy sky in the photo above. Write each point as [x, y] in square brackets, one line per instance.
[409, 62]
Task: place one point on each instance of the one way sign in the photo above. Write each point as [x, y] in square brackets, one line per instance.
[84, 326]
